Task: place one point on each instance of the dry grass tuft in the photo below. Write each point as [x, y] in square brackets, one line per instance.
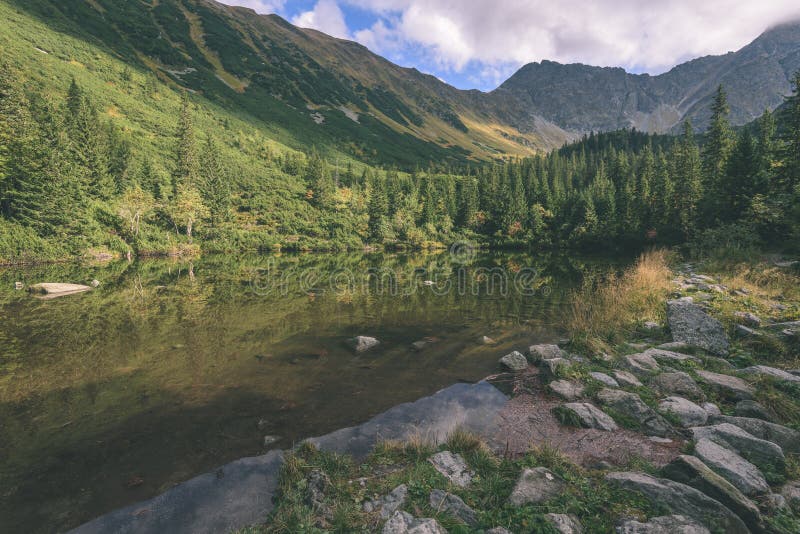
[605, 313]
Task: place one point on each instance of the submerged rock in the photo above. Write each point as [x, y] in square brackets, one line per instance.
[58, 289]
[485, 340]
[362, 343]
[452, 467]
[691, 325]
[535, 486]
[742, 474]
[453, 505]
[514, 361]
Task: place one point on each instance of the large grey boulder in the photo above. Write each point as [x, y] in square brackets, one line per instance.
[388, 504]
[772, 372]
[668, 356]
[787, 439]
[640, 364]
[677, 383]
[627, 379]
[691, 325]
[567, 389]
[545, 352]
[452, 467]
[666, 524]
[453, 505]
[362, 343]
[727, 385]
[742, 474]
[685, 411]
[765, 454]
[753, 410]
[535, 486]
[631, 406]
[604, 379]
[514, 361]
[693, 472]
[680, 499]
[588, 416]
[564, 523]
[553, 366]
[405, 523]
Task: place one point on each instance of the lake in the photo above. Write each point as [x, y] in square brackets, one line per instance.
[169, 369]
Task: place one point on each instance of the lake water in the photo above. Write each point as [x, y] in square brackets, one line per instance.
[170, 369]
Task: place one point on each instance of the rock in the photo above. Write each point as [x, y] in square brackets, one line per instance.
[775, 502]
[787, 439]
[498, 530]
[514, 361]
[667, 524]
[631, 406]
[742, 474]
[57, 289]
[685, 411]
[674, 346]
[545, 352]
[729, 386]
[269, 440]
[362, 343]
[677, 383]
[748, 319]
[419, 345]
[651, 325]
[627, 379]
[693, 472]
[742, 331]
[640, 364]
[317, 484]
[453, 505]
[778, 374]
[535, 486]
[388, 504]
[711, 409]
[484, 340]
[588, 416]
[552, 367]
[751, 409]
[604, 379]
[679, 498]
[567, 389]
[637, 346]
[452, 467]
[19, 286]
[691, 325]
[765, 454]
[565, 524]
[95, 283]
[791, 492]
[405, 523]
[667, 356]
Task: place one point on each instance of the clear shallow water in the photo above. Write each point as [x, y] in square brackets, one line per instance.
[171, 369]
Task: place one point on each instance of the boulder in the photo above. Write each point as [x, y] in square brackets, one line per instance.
[680, 499]
[535, 486]
[742, 474]
[667, 356]
[567, 389]
[748, 319]
[693, 472]
[753, 410]
[631, 406]
[388, 504]
[564, 523]
[677, 383]
[685, 411]
[362, 343]
[58, 289]
[791, 492]
[745, 332]
[514, 361]
[604, 379]
[552, 367]
[666, 524]
[777, 374]
[765, 454]
[452, 467]
[691, 325]
[640, 364]
[588, 416]
[726, 385]
[674, 346]
[775, 502]
[545, 352]
[453, 505]
[787, 439]
[627, 379]
[405, 523]
[711, 409]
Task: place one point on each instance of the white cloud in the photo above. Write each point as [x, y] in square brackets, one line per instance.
[326, 17]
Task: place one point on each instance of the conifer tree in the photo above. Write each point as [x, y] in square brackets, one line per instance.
[187, 168]
[216, 187]
[719, 143]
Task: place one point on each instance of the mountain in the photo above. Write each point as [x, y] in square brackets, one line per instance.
[311, 89]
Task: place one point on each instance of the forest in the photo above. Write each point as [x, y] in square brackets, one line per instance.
[73, 183]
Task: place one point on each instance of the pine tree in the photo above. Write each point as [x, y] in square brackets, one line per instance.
[187, 168]
[686, 175]
[716, 152]
[468, 202]
[216, 187]
[378, 210]
[322, 189]
[790, 137]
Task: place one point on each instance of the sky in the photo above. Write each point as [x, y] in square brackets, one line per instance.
[477, 44]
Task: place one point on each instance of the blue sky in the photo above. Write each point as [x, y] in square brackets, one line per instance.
[476, 44]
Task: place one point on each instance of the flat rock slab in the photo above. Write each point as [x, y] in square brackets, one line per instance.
[685, 411]
[677, 383]
[668, 356]
[453, 505]
[727, 385]
[626, 379]
[589, 416]
[786, 438]
[680, 499]
[53, 290]
[665, 524]
[742, 474]
[567, 389]
[772, 372]
[764, 454]
[535, 486]
[640, 364]
[453, 467]
[691, 325]
[604, 379]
